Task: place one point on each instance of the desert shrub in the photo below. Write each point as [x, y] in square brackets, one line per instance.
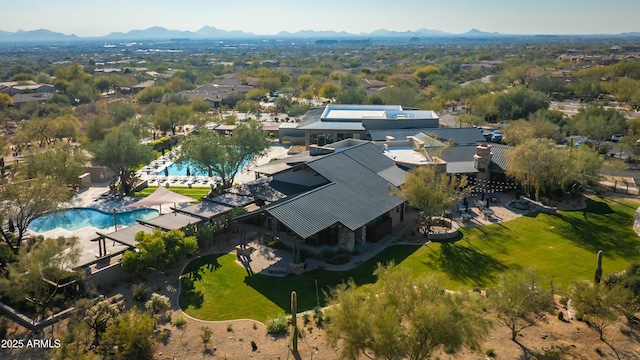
[158, 305]
[278, 326]
[318, 315]
[564, 300]
[229, 327]
[205, 335]
[306, 318]
[140, 292]
[490, 353]
[180, 322]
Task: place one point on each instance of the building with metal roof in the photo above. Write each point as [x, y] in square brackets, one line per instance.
[334, 122]
[348, 197]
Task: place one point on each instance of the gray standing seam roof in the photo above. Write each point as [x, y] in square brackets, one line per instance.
[459, 136]
[356, 196]
[458, 153]
[206, 210]
[499, 158]
[232, 199]
[171, 221]
[311, 116]
[127, 235]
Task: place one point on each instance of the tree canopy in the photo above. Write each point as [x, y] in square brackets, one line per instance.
[23, 200]
[121, 152]
[598, 123]
[540, 166]
[62, 162]
[519, 300]
[159, 248]
[27, 278]
[211, 153]
[431, 191]
[401, 317]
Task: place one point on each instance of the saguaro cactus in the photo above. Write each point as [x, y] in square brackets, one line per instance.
[294, 322]
[598, 275]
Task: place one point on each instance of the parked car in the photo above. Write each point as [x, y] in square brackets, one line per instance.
[580, 142]
[616, 137]
[496, 136]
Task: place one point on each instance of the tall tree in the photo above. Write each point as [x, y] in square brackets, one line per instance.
[98, 317]
[28, 278]
[425, 73]
[596, 304]
[599, 123]
[62, 162]
[534, 165]
[519, 300]
[223, 156]
[46, 130]
[169, 117]
[23, 200]
[121, 152]
[151, 94]
[132, 334]
[432, 192]
[329, 90]
[401, 317]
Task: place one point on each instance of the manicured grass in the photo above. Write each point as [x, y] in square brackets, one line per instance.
[194, 192]
[562, 248]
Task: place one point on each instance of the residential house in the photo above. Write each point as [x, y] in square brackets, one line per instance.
[217, 94]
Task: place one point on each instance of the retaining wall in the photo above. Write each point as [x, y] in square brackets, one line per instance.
[540, 207]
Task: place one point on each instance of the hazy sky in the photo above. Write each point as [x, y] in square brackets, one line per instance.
[93, 18]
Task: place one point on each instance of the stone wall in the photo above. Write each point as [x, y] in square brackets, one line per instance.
[540, 207]
[100, 174]
[361, 235]
[443, 235]
[106, 276]
[346, 238]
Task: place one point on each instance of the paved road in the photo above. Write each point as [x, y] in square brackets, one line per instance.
[448, 118]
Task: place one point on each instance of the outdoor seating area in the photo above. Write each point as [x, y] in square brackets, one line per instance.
[201, 181]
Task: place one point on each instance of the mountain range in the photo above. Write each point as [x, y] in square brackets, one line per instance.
[209, 32]
[212, 33]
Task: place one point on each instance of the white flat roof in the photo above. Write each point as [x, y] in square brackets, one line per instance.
[356, 114]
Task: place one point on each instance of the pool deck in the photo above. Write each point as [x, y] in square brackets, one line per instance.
[245, 175]
[95, 198]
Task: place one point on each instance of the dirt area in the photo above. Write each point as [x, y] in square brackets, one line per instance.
[232, 340]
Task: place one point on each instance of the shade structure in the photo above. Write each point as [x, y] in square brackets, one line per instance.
[162, 196]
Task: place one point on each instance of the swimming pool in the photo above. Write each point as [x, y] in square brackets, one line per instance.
[77, 218]
[181, 170]
[175, 170]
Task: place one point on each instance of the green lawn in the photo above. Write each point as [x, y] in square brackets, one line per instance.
[195, 192]
[562, 248]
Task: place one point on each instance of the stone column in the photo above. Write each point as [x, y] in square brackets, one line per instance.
[346, 238]
[361, 235]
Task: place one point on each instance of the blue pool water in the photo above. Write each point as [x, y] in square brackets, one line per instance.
[77, 218]
[175, 170]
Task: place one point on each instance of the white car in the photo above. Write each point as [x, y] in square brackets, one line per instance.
[616, 137]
